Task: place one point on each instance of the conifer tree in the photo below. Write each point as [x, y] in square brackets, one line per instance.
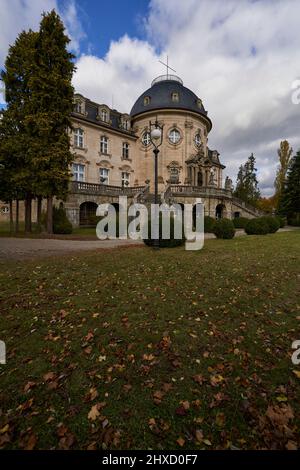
[284, 155]
[247, 184]
[48, 120]
[17, 178]
[289, 203]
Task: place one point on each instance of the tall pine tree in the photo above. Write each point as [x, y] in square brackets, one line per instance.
[48, 120]
[289, 203]
[247, 184]
[284, 155]
[17, 177]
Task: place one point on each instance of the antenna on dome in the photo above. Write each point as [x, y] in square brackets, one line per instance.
[167, 65]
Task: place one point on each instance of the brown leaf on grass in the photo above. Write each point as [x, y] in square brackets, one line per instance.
[181, 411]
[280, 415]
[49, 376]
[28, 386]
[89, 336]
[291, 445]
[180, 441]
[167, 387]
[199, 379]
[199, 435]
[31, 442]
[158, 396]
[220, 420]
[66, 442]
[4, 439]
[93, 413]
[91, 395]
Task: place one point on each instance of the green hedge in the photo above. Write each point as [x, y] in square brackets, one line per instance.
[165, 243]
[209, 224]
[224, 228]
[272, 223]
[240, 222]
[61, 224]
[257, 226]
[281, 220]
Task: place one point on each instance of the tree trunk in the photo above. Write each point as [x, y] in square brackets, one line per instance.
[11, 218]
[49, 214]
[39, 213]
[17, 216]
[28, 213]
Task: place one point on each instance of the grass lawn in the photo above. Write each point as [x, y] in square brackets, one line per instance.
[135, 349]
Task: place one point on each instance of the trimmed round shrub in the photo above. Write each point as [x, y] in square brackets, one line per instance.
[209, 224]
[257, 226]
[272, 223]
[61, 224]
[224, 228]
[240, 222]
[165, 243]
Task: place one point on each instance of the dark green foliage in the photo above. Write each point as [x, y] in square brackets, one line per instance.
[165, 243]
[295, 222]
[209, 224]
[281, 220]
[272, 223]
[240, 222]
[224, 228]
[289, 203]
[61, 224]
[257, 226]
[246, 184]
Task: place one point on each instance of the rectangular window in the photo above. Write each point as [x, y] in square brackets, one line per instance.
[125, 151]
[78, 138]
[78, 172]
[125, 178]
[104, 176]
[104, 145]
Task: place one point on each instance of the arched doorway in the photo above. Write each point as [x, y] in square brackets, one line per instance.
[220, 211]
[87, 216]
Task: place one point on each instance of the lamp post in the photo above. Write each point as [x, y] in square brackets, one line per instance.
[156, 138]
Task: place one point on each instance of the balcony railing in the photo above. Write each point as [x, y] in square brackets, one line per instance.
[80, 187]
[201, 191]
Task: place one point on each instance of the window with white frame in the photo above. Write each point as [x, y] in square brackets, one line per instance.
[78, 107]
[175, 96]
[146, 139]
[104, 115]
[104, 144]
[126, 125]
[174, 136]
[125, 150]
[78, 172]
[78, 138]
[104, 175]
[125, 178]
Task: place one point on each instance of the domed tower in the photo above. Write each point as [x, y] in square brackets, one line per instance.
[184, 156]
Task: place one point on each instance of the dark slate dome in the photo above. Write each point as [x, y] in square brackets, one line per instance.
[167, 91]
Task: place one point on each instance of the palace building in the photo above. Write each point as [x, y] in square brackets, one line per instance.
[113, 155]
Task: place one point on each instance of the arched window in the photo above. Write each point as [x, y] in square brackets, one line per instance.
[104, 144]
[174, 136]
[146, 100]
[78, 138]
[146, 139]
[175, 96]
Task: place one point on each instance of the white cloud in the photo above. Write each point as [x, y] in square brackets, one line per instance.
[18, 15]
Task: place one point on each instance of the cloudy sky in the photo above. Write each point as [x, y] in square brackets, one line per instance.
[240, 56]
